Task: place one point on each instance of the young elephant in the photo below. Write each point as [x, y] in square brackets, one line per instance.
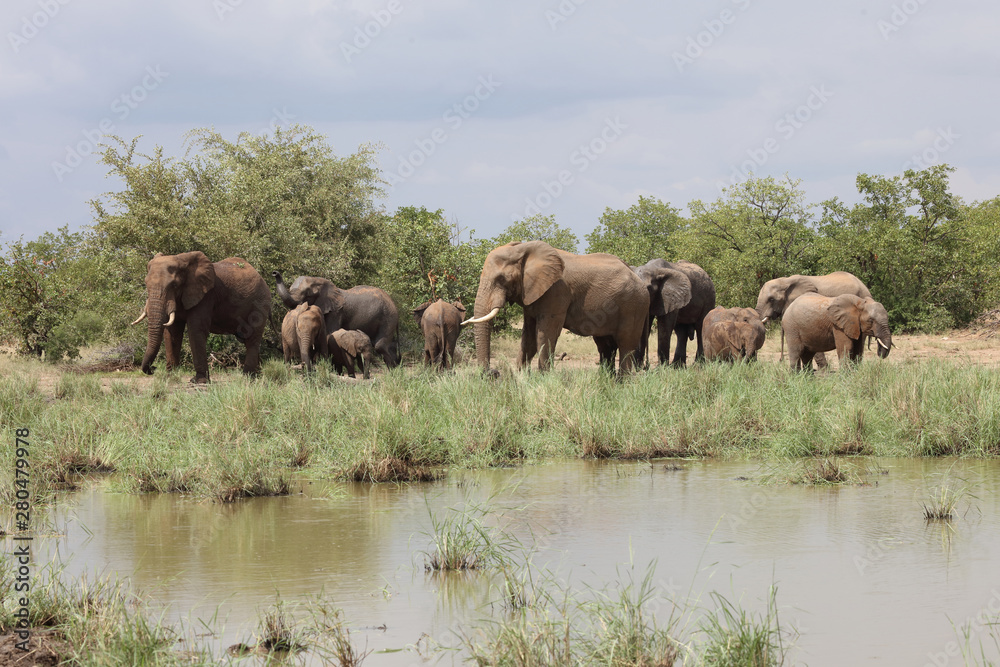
[441, 323]
[346, 347]
[303, 335]
[814, 323]
[731, 343]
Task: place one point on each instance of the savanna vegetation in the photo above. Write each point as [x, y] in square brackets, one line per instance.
[285, 201]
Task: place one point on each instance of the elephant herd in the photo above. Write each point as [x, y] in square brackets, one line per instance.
[594, 295]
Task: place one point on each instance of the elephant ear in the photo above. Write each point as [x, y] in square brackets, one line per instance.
[330, 299]
[418, 312]
[846, 315]
[673, 287]
[543, 267]
[199, 279]
[458, 305]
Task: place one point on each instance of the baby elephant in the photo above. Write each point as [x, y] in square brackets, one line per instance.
[814, 323]
[732, 334]
[441, 323]
[303, 335]
[346, 347]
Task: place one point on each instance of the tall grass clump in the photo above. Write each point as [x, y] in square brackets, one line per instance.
[943, 499]
[734, 636]
[469, 538]
[92, 622]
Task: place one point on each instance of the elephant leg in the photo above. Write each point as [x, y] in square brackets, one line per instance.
[350, 365]
[383, 347]
[820, 359]
[172, 337]
[664, 329]
[198, 338]
[427, 356]
[547, 333]
[699, 354]
[529, 343]
[682, 332]
[607, 349]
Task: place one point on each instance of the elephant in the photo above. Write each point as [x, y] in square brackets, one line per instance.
[741, 340]
[348, 346]
[687, 320]
[776, 295]
[441, 323]
[303, 335]
[188, 290]
[590, 295]
[815, 323]
[366, 308]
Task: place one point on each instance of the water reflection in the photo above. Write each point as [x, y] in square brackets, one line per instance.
[859, 571]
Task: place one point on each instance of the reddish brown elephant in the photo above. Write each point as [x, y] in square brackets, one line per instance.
[441, 323]
[350, 346]
[817, 323]
[590, 295]
[303, 335]
[732, 334]
[189, 291]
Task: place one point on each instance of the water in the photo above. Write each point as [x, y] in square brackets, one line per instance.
[861, 576]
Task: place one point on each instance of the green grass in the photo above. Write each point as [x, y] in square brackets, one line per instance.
[239, 438]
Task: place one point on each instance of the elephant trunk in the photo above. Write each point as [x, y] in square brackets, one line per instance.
[884, 339]
[154, 333]
[483, 329]
[286, 296]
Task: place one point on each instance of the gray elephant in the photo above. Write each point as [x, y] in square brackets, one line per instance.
[347, 347]
[732, 334]
[303, 335]
[815, 323]
[687, 320]
[368, 309]
[778, 294]
[189, 291]
[590, 295]
[441, 323]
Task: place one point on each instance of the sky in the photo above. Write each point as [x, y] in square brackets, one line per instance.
[493, 111]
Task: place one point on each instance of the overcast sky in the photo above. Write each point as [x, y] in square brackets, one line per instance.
[491, 110]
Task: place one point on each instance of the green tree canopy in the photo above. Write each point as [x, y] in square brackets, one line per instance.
[642, 232]
[758, 230]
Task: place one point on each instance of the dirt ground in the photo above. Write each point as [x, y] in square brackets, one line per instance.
[44, 649]
[973, 346]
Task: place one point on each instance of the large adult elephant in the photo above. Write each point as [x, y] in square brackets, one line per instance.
[590, 295]
[815, 323]
[189, 291]
[368, 309]
[685, 321]
[741, 340]
[776, 295]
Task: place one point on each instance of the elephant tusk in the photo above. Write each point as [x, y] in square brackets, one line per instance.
[764, 321]
[140, 318]
[170, 320]
[485, 318]
[881, 343]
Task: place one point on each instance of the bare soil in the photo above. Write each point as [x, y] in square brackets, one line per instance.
[45, 648]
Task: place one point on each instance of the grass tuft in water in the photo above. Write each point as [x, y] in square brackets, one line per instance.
[943, 499]
[735, 636]
[469, 538]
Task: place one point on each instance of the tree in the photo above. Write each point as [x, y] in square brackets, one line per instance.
[758, 230]
[40, 296]
[638, 234]
[909, 241]
[538, 228]
[281, 201]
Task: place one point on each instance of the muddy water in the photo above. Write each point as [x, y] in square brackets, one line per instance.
[860, 575]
